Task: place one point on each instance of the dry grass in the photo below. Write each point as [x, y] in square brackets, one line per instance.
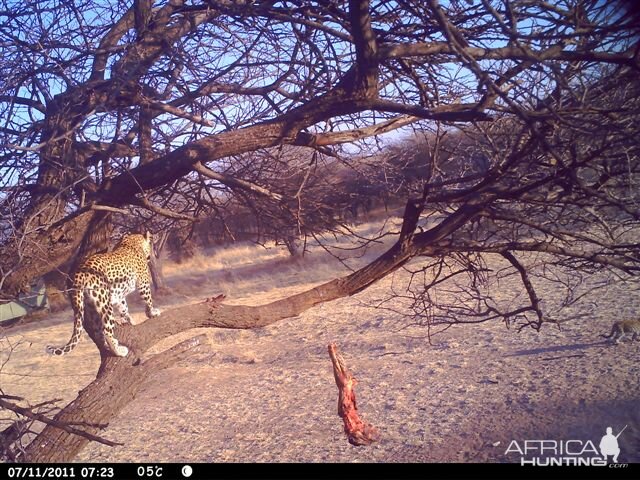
[259, 274]
[268, 394]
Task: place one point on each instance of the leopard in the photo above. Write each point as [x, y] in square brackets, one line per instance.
[623, 327]
[102, 282]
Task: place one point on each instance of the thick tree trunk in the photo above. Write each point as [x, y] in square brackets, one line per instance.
[42, 252]
[41, 244]
[119, 379]
[356, 91]
[55, 287]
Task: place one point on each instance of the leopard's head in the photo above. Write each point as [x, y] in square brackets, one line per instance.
[140, 242]
[147, 245]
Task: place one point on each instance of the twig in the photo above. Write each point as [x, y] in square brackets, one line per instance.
[144, 203]
[26, 412]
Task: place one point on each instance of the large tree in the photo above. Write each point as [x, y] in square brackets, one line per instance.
[109, 106]
[117, 104]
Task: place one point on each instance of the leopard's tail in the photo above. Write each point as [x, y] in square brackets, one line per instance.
[77, 302]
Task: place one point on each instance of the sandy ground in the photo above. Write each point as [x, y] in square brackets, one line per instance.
[268, 395]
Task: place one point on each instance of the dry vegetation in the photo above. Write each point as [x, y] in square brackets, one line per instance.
[205, 120]
[452, 399]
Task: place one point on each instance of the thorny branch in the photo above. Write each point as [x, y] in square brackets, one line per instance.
[206, 94]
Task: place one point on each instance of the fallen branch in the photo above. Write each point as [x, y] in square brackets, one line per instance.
[358, 432]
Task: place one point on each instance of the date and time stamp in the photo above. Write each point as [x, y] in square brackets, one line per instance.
[88, 472]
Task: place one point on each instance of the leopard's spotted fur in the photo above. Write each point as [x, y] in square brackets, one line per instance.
[622, 328]
[102, 282]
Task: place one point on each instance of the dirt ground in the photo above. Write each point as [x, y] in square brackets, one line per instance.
[268, 395]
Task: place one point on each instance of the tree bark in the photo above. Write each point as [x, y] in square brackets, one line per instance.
[55, 288]
[119, 379]
[61, 166]
[45, 238]
[44, 252]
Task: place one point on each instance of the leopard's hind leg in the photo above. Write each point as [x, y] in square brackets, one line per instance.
[619, 337]
[101, 298]
[119, 305]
